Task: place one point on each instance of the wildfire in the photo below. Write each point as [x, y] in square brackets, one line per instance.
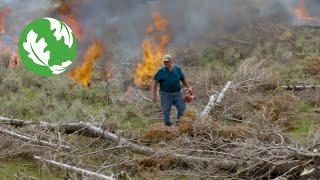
[67, 10]
[82, 73]
[302, 12]
[153, 50]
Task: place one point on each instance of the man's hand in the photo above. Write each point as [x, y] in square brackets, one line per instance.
[154, 98]
[188, 90]
[185, 83]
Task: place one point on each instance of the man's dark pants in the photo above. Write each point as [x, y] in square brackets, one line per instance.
[167, 100]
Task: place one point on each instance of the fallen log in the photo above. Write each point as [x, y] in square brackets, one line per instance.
[90, 130]
[300, 87]
[284, 161]
[313, 173]
[215, 100]
[20, 123]
[144, 150]
[76, 169]
[33, 140]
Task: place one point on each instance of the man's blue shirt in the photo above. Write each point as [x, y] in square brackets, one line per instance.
[169, 80]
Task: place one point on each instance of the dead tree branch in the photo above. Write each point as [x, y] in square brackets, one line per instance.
[76, 169]
[90, 130]
[215, 99]
[300, 87]
[33, 140]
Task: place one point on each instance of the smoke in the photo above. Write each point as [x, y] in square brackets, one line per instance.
[20, 14]
[24, 12]
[314, 7]
[121, 24]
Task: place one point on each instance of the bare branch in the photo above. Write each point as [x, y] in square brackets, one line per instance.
[215, 99]
[76, 169]
[32, 140]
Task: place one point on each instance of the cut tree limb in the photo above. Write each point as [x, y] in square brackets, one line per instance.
[313, 173]
[76, 169]
[19, 123]
[215, 99]
[300, 87]
[90, 130]
[32, 140]
[220, 163]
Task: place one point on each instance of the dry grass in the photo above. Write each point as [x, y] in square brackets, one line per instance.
[234, 131]
[272, 107]
[158, 132]
[312, 66]
[11, 148]
[187, 121]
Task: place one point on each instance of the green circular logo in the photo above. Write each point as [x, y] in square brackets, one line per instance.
[47, 46]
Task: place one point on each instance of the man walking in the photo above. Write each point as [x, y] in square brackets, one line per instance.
[169, 77]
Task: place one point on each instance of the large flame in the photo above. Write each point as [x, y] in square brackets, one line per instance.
[153, 50]
[302, 12]
[82, 73]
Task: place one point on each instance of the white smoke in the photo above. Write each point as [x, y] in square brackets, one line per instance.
[122, 23]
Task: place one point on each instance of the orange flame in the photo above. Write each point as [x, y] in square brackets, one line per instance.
[302, 12]
[153, 50]
[82, 73]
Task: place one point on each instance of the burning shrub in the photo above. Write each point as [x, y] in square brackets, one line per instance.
[153, 51]
[82, 73]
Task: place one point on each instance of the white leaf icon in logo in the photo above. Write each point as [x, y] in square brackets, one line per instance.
[61, 30]
[58, 69]
[36, 49]
[38, 56]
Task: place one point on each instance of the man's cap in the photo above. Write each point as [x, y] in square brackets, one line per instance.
[167, 57]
